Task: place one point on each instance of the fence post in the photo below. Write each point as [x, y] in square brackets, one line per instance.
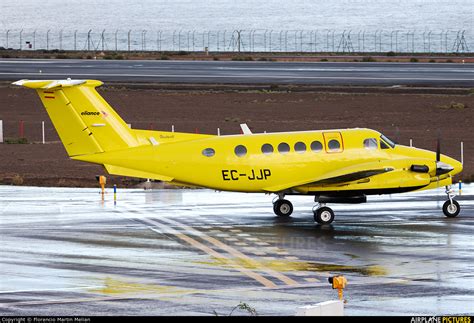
[75, 39]
[89, 40]
[47, 39]
[42, 131]
[61, 39]
[1, 131]
[102, 39]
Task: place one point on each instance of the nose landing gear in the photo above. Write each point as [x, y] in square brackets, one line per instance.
[451, 207]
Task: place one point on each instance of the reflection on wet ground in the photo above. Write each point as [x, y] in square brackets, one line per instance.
[192, 252]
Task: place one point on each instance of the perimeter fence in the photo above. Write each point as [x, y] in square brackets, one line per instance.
[256, 40]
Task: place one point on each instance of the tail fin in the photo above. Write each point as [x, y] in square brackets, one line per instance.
[85, 122]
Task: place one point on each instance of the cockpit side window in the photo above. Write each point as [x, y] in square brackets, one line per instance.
[386, 141]
[371, 143]
[383, 145]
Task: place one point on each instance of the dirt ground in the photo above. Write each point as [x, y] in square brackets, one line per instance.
[400, 116]
[246, 56]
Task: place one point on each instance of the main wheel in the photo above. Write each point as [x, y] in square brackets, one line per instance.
[283, 208]
[451, 210]
[324, 215]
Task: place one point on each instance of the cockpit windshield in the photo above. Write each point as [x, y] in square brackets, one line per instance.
[387, 141]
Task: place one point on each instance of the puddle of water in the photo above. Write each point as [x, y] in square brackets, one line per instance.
[283, 265]
[113, 286]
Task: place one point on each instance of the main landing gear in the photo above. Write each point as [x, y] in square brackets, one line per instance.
[451, 207]
[284, 208]
[323, 214]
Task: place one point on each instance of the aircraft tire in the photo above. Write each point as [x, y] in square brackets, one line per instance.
[324, 215]
[451, 211]
[283, 208]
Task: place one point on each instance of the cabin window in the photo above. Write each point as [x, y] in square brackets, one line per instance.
[334, 145]
[383, 145]
[370, 143]
[240, 150]
[208, 152]
[316, 146]
[267, 149]
[284, 148]
[300, 147]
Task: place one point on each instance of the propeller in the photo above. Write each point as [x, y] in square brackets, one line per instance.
[441, 168]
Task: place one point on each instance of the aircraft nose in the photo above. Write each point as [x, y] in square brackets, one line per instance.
[457, 167]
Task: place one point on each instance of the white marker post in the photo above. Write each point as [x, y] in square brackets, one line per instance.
[42, 131]
[411, 142]
[462, 153]
[218, 131]
[172, 128]
[1, 131]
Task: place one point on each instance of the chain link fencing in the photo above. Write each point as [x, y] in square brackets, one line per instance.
[257, 40]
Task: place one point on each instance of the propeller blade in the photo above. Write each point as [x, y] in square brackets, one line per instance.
[438, 149]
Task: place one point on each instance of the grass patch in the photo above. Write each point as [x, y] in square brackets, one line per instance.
[15, 141]
[413, 60]
[17, 180]
[453, 105]
[368, 59]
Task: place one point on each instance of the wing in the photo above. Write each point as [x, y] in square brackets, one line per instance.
[363, 173]
[339, 176]
[355, 176]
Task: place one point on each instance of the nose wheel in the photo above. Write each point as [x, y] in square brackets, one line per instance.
[451, 207]
[323, 214]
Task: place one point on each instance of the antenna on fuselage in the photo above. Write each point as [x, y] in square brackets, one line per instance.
[245, 129]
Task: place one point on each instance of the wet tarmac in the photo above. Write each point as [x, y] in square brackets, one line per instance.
[198, 252]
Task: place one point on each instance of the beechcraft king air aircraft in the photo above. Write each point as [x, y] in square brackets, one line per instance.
[334, 166]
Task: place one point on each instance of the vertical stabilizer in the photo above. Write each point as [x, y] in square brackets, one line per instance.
[85, 122]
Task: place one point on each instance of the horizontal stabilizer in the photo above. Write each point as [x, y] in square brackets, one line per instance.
[51, 84]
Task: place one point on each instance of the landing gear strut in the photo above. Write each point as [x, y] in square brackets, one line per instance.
[323, 214]
[282, 207]
[451, 207]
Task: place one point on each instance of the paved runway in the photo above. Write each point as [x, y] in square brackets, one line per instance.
[65, 251]
[232, 72]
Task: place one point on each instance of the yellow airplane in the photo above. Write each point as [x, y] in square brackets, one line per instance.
[334, 166]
